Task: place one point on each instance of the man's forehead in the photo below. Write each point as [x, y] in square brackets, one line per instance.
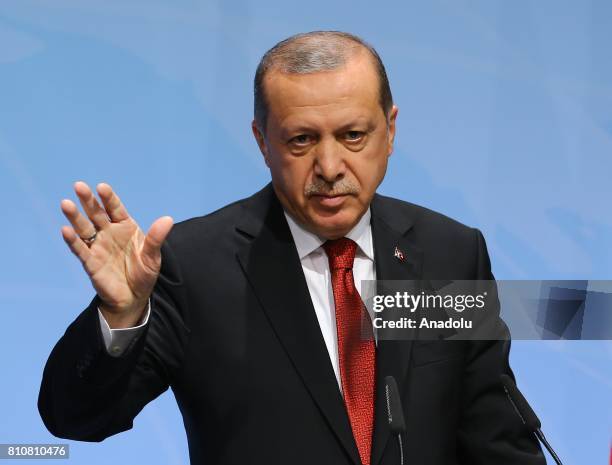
[355, 83]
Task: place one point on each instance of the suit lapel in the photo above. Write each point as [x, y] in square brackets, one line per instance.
[389, 232]
[271, 263]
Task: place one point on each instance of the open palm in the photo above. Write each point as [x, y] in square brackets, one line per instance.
[121, 261]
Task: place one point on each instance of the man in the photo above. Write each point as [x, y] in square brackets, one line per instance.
[251, 314]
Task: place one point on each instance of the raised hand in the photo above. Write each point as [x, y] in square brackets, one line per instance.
[121, 261]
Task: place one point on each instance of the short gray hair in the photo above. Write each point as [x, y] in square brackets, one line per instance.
[311, 52]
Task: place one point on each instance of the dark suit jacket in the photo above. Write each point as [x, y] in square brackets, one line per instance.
[233, 332]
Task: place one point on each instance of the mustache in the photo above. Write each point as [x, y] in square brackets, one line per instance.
[322, 187]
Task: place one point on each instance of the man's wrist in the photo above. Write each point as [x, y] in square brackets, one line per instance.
[124, 319]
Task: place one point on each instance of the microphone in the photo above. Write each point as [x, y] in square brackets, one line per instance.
[395, 413]
[526, 413]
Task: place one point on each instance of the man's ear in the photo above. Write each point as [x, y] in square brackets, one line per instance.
[391, 128]
[261, 141]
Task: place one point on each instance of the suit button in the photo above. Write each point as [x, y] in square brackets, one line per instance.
[115, 349]
[79, 369]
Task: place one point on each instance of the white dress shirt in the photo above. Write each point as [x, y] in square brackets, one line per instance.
[315, 265]
[318, 279]
[117, 340]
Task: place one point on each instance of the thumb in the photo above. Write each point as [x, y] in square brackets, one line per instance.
[154, 239]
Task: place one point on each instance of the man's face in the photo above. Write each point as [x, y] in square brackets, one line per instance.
[327, 143]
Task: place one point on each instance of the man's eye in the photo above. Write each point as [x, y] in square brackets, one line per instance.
[302, 139]
[354, 136]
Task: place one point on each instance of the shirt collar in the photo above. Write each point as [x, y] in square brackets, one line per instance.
[307, 242]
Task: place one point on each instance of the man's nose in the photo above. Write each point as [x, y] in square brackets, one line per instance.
[329, 161]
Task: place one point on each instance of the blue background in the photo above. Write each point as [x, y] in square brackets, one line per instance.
[505, 124]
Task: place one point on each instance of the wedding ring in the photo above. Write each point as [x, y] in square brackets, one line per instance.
[89, 240]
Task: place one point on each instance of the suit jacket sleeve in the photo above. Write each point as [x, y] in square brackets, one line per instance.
[490, 430]
[88, 395]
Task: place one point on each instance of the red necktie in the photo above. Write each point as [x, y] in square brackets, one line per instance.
[356, 348]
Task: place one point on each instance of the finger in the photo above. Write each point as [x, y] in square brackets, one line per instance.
[82, 226]
[75, 243]
[90, 204]
[154, 239]
[114, 208]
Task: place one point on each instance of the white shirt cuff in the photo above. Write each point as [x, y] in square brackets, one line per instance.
[117, 340]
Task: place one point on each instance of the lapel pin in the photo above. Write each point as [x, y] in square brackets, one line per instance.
[399, 254]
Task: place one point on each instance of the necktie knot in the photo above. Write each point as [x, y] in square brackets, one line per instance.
[341, 253]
